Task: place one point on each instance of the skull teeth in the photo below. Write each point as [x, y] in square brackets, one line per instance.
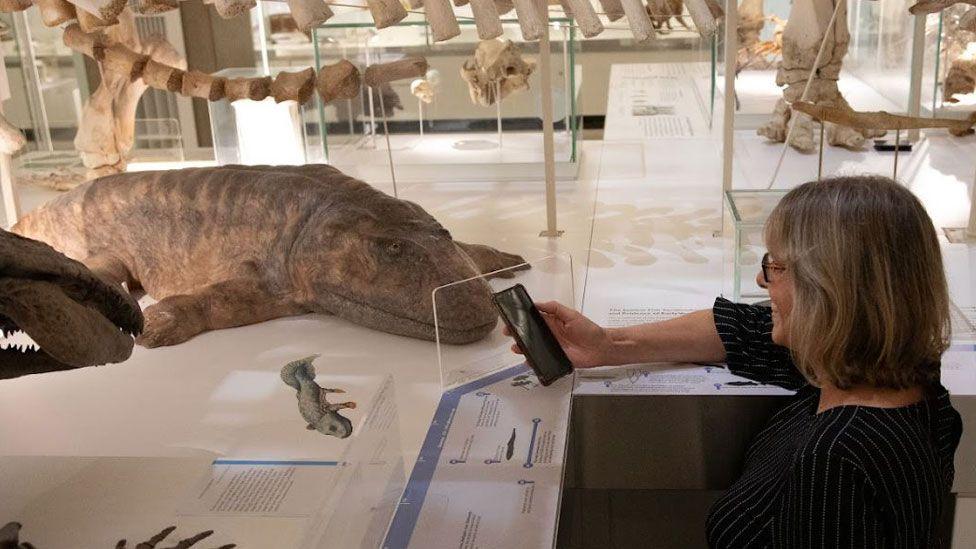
[20, 348]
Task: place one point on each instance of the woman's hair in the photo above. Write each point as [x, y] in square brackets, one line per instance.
[870, 302]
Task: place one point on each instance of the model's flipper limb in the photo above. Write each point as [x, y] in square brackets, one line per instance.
[176, 319]
[488, 259]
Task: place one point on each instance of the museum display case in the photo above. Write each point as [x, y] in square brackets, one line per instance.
[872, 61]
[950, 62]
[47, 81]
[445, 127]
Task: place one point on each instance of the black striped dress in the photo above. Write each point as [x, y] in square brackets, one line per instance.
[852, 476]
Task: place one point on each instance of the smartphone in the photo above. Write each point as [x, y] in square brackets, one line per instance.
[542, 351]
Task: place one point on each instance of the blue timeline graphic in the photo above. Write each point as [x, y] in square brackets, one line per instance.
[535, 429]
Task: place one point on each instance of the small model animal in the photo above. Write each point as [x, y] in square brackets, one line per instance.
[882, 120]
[235, 245]
[75, 318]
[312, 404]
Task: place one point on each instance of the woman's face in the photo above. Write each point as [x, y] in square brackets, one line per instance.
[780, 287]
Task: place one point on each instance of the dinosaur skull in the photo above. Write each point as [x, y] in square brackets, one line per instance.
[497, 65]
[75, 318]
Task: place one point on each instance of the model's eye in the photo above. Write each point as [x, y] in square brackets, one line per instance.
[394, 248]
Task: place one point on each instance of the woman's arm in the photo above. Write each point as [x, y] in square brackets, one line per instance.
[689, 338]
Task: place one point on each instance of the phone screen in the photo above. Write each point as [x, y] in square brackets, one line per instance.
[542, 351]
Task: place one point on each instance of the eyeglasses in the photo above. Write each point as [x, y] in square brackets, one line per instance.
[768, 266]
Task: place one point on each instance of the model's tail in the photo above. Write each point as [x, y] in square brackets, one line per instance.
[298, 370]
[964, 126]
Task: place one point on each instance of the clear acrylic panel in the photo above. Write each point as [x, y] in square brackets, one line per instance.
[547, 279]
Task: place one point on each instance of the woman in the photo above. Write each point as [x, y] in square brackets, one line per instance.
[862, 455]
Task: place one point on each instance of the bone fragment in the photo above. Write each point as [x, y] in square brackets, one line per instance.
[504, 6]
[486, 19]
[106, 10]
[584, 14]
[408, 67]
[968, 20]
[153, 7]
[386, 12]
[11, 140]
[232, 8]
[529, 19]
[124, 62]
[295, 86]
[639, 21]
[701, 14]
[89, 22]
[612, 8]
[309, 14]
[55, 12]
[881, 120]
[89, 44]
[255, 89]
[163, 77]
[202, 85]
[440, 16]
[715, 8]
[339, 81]
[7, 6]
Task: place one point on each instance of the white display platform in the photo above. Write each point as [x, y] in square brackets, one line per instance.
[443, 157]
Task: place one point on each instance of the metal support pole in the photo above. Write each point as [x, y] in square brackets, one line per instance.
[548, 146]
[728, 114]
[894, 174]
[971, 228]
[918, 66]
[11, 203]
[820, 154]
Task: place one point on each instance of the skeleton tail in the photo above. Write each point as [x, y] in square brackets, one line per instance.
[299, 370]
[965, 126]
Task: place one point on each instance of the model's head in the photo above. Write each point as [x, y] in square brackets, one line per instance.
[857, 285]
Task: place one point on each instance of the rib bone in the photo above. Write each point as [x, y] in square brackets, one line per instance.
[309, 14]
[443, 23]
[408, 67]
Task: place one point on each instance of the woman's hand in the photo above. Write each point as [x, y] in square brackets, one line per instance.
[585, 343]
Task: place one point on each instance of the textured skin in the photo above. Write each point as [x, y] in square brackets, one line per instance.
[77, 319]
[235, 245]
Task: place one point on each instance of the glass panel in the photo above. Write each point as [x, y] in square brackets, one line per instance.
[747, 214]
[546, 279]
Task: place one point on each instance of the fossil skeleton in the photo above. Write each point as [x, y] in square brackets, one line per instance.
[882, 120]
[497, 65]
[809, 26]
[10, 539]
